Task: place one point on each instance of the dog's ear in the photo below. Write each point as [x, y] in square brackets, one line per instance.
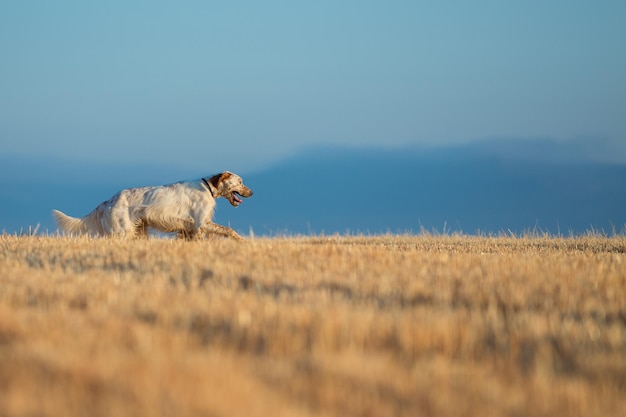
[215, 180]
[213, 184]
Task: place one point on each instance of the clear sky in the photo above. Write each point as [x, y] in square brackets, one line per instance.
[243, 83]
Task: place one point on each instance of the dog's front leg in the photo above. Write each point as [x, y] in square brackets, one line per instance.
[217, 229]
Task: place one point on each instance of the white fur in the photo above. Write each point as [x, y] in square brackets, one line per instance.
[184, 207]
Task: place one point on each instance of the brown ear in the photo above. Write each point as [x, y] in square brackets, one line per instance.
[216, 179]
[213, 184]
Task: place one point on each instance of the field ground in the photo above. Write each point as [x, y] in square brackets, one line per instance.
[329, 326]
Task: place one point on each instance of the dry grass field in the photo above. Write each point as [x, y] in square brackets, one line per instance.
[329, 326]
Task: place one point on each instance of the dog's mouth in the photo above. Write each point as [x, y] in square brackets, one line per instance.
[235, 198]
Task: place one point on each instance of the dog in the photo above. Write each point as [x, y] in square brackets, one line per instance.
[185, 208]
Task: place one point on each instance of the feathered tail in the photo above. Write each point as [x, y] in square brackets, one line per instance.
[69, 224]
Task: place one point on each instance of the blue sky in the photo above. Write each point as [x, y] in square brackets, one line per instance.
[240, 84]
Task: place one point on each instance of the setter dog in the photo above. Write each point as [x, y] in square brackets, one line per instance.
[185, 208]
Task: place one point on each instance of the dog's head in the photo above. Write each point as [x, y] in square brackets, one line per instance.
[228, 185]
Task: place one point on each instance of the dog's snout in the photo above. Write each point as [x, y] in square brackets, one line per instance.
[246, 192]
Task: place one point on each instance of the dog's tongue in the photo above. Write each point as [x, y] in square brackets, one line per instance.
[237, 199]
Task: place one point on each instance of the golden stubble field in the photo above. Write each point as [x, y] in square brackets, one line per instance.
[337, 326]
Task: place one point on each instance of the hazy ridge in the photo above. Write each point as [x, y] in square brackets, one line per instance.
[487, 187]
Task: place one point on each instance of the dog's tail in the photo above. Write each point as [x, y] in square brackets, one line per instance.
[69, 224]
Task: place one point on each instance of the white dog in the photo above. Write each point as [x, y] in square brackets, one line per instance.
[184, 207]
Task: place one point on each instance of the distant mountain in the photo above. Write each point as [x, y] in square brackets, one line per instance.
[487, 187]
[469, 189]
